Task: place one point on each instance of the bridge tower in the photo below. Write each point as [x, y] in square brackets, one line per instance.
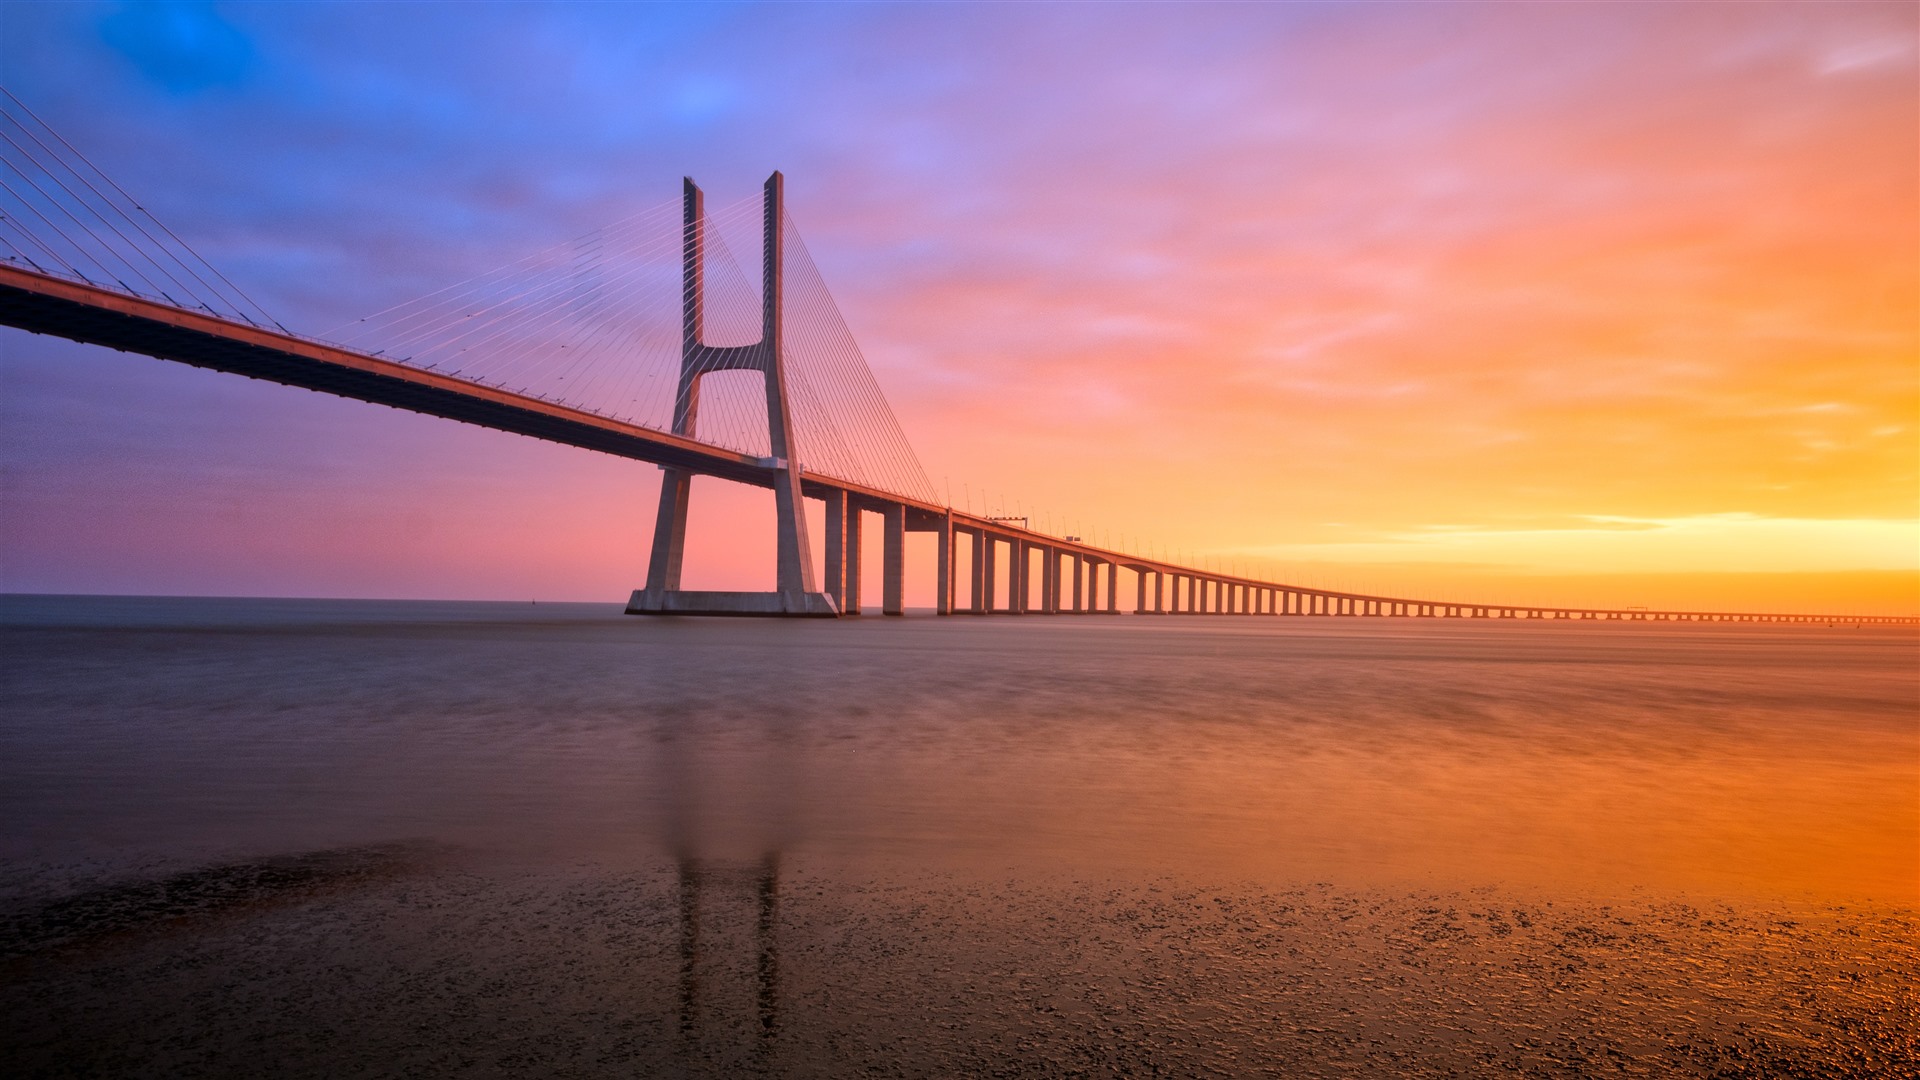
[796, 593]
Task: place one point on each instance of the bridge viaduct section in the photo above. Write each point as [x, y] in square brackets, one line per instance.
[1034, 572]
[1037, 574]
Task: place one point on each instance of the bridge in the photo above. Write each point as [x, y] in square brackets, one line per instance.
[578, 345]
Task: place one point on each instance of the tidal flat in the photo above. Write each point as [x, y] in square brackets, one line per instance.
[381, 839]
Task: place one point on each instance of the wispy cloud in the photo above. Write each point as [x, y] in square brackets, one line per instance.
[1711, 543]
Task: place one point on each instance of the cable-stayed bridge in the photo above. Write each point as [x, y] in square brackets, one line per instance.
[645, 339]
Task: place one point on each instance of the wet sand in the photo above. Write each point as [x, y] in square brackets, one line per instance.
[343, 839]
[788, 968]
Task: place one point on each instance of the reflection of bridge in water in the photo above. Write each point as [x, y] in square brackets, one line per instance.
[701, 885]
[643, 340]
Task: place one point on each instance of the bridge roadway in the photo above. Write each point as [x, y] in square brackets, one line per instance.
[1072, 577]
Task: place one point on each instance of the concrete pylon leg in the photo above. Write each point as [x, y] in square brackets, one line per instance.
[893, 559]
[1140, 603]
[1079, 584]
[669, 534]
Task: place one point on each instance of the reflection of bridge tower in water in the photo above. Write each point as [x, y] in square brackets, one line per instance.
[711, 987]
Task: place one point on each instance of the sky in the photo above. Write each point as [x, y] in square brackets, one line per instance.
[1612, 304]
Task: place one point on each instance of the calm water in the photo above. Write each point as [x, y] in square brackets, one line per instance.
[497, 837]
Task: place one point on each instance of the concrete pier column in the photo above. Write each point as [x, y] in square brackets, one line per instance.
[1140, 581]
[1113, 588]
[1019, 574]
[1026, 578]
[977, 573]
[1049, 581]
[850, 604]
[989, 571]
[943, 562]
[1079, 582]
[893, 560]
[836, 557]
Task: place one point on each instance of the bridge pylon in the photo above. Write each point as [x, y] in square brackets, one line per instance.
[796, 593]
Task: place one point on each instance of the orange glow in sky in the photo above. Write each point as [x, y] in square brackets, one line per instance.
[1611, 304]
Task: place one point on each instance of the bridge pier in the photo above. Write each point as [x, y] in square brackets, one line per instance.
[1056, 581]
[893, 559]
[943, 559]
[836, 548]
[990, 561]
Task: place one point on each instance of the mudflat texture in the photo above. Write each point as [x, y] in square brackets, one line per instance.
[307, 838]
[765, 968]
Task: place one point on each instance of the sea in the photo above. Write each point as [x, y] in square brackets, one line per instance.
[332, 838]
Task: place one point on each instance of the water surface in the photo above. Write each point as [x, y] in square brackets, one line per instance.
[928, 846]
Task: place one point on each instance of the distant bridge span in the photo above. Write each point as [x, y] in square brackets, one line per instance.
[1069, 577]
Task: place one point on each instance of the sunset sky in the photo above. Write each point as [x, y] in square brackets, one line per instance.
[1614, 304]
